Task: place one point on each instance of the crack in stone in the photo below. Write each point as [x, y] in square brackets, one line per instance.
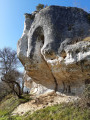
[55, 81]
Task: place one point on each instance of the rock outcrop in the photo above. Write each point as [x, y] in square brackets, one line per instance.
[55, 48]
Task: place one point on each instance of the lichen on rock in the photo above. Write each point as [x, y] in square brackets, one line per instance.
[53, 48]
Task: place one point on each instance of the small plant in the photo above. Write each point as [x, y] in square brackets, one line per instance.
[39, 7]
[25, 98]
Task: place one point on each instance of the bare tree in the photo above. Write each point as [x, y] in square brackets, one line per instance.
[8, 68]
[4, 90]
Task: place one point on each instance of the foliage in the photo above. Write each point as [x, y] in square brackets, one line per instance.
[39, 7]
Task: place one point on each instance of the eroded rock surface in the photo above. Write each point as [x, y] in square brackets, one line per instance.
[55, 48]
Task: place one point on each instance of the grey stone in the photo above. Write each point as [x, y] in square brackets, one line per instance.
[55, 48]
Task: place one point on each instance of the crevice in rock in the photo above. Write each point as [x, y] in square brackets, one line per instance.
[82, 64]
[55, 81]
[39, 36]
[63, 86]
[66, 87]
[69, 89]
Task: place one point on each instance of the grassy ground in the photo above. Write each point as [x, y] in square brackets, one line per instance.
[56, 112]
[8, 104]
[60, 112]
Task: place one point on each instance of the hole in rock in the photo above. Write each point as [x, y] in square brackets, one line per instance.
[37, 42]
[38, 36]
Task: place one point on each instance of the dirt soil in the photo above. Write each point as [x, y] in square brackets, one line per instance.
[43, 101]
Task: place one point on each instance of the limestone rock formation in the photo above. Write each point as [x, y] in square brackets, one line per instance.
[35, 89]
[55, 48]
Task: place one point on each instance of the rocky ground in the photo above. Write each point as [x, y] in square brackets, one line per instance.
[43, 101]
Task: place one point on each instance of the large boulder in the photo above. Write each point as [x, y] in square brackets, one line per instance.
[55, 48]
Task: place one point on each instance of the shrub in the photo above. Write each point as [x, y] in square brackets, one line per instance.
[39, 7]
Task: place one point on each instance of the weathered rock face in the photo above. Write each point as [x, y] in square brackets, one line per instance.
[55, 48]
[35, 89]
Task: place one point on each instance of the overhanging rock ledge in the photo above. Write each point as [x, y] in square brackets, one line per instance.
[55, 49]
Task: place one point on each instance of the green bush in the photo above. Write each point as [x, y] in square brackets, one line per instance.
[39, 7]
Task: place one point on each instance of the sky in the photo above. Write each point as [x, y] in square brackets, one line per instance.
[12, 16]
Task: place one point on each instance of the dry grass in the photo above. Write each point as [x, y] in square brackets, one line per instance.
[86, 39]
